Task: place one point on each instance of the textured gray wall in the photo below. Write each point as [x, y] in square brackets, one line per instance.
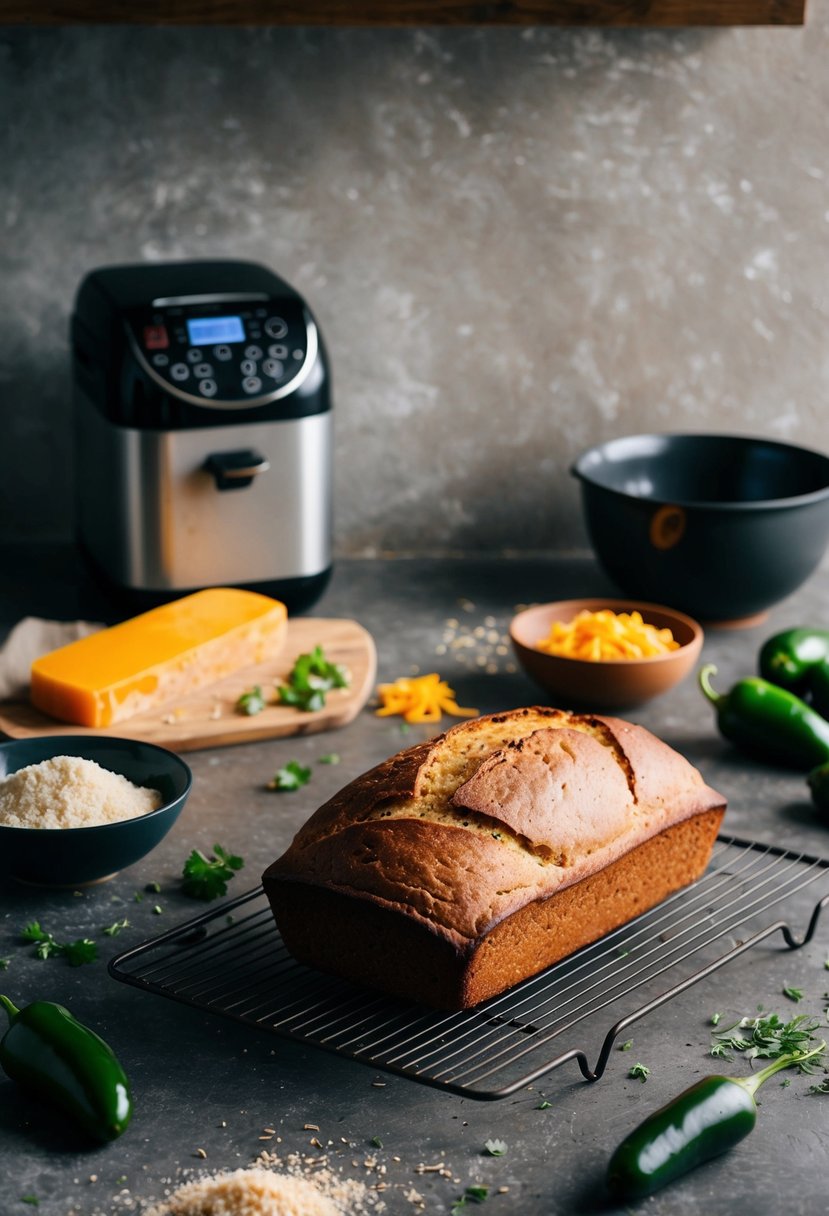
[517, 243]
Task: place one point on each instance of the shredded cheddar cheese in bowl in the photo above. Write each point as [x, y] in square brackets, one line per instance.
[420, 699]
[603, 635]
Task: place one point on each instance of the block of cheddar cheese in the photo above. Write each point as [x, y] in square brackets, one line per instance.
[160, 655]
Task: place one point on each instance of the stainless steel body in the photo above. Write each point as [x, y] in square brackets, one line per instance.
[203, 431]
[153, 518]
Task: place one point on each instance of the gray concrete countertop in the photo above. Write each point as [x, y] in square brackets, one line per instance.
[205, 1085]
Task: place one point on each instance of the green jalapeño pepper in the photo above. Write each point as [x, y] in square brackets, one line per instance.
[819, 688]
[769, 722]
[791, 658]
[56, 1057]
[704, 1121]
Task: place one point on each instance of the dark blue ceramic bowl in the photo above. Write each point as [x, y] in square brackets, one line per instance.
[719, 526]
[69, 857]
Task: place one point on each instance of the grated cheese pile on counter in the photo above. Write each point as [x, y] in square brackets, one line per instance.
[253, 1192]
[70, 792]
[420, 699]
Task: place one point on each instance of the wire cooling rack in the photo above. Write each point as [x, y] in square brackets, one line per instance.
[232, 961]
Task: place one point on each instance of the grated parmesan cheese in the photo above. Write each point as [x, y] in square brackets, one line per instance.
[248, 1192]
[70, 792]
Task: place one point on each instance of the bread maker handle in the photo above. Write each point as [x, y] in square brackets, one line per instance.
[235, 470]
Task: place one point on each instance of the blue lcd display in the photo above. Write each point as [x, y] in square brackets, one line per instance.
[208, 330]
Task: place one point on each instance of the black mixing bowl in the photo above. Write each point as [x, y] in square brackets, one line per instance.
[719, 526]
[72, 857]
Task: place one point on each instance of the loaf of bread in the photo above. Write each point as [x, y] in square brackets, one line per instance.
[468, 863]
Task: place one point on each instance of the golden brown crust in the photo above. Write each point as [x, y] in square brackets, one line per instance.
[506, 813]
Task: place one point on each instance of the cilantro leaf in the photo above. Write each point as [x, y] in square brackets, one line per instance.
[207, 877]
[544, 1105]
[116, 927]
[307, 699]
[311, 677]
[79, 952]
[291, 776]
[34, 933]
[626, 1046]
[331, 758]
[794, 994]
[251, 702]
[472, 1194]
[376, 1142]
[639, 1070]
[494, 1148]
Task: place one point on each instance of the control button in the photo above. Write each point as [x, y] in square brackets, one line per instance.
[261, 312]
[252, 384]
[277, 351]
[253, 352]
[274, 368]
[207, 388]
[299, 354]
[248, 368]
[223, 353]
[194, 355]
[156, 337]
[275, 327]
[180, 371]
[254, 331]
[160, 360]
[202, 369]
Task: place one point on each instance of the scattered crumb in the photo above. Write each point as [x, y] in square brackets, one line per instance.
[483, 646]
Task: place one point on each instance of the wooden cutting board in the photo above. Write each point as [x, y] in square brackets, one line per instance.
[209, 719]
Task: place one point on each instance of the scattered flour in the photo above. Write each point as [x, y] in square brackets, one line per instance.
[69, 792]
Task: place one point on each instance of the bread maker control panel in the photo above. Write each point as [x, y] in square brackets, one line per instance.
[224, 352]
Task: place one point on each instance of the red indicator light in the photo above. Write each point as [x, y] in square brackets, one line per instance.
[155, 337]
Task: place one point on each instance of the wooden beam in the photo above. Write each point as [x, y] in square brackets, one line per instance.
[404, 12]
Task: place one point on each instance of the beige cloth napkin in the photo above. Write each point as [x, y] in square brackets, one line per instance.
[28, 640]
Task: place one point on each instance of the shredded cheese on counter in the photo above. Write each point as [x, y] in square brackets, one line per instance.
[420, 699]
[598, 636]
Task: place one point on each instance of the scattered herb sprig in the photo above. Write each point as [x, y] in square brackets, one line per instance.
[207, 877]
[640, 1071]
[472, 1194]
[116, 927]
[311, 677]
[767, 1038]
[251, 702]
[76, 953]
[292, 776]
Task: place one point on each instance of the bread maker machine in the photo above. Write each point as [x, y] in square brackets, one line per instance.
[203, 431]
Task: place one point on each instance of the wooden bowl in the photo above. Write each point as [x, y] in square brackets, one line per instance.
[607, 683]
